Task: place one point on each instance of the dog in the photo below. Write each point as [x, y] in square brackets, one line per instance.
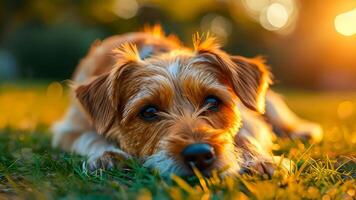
[145, 95]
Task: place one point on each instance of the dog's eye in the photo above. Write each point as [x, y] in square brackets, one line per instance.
[213, 102]
[149, 113]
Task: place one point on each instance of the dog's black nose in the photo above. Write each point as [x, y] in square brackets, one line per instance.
[200, 155]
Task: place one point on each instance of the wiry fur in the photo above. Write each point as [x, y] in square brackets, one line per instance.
[124, 73]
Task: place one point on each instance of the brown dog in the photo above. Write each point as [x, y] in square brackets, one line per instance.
[144, 95]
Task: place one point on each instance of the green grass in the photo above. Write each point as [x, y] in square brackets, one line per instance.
[31, 169]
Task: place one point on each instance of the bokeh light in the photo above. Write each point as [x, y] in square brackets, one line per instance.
[345, 109]
[218, 25]
[125, 9]
[345, 23]
[277, 15]
[55, 90]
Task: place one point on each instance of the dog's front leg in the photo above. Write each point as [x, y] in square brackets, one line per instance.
[256, 159]
[74, 134]
[266, 165]
[262, 164]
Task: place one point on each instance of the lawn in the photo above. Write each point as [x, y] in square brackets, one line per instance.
[31, 169]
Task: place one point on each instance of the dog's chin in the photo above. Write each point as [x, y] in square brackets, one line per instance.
[166, 165]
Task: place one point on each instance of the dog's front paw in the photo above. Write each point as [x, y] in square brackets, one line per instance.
[258, 168]
[307, 131]
[268, 167]
[106, 160]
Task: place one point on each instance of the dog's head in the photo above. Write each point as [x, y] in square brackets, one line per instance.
[178, 108]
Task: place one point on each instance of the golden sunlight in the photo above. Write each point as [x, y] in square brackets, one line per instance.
[345, 23]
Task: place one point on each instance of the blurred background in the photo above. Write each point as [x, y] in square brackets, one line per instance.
[309, 44]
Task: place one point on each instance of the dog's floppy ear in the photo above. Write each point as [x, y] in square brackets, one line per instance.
[95, 99]
[100, 97]
[249, 78]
